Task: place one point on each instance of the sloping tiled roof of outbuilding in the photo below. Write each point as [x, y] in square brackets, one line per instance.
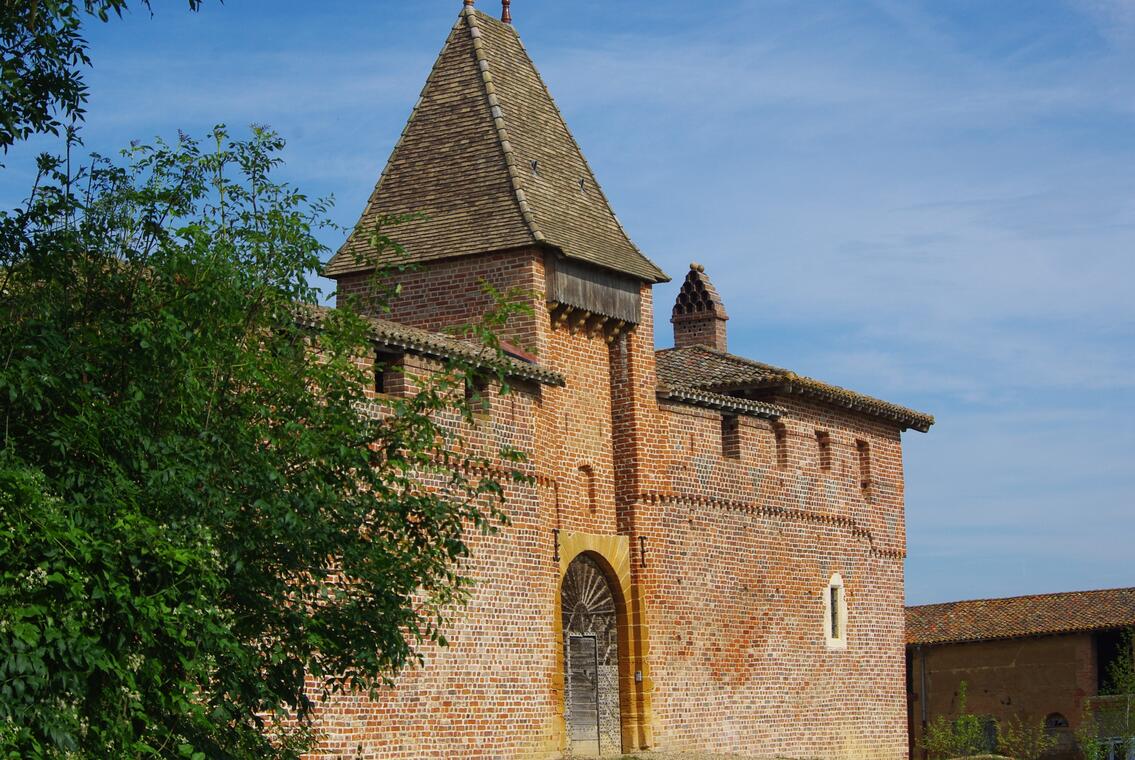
[387, 334]
[704, 368]
[488, 162]
[1018, 616]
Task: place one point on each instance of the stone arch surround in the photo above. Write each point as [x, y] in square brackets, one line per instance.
[613, 555]
[591, 664]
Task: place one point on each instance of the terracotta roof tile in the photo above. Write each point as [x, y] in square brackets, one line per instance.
[487, 158]
[1039, 615]
[705, 368]
[439, 345]
[720, 402]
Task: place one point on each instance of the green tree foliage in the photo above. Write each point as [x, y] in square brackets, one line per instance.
[42, 51]
[1108, 724]
[198, 516]
[1088, 737]
[956, 737]
[1121, 671]
[1023, 739]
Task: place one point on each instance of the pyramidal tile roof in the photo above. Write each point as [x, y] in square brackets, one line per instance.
[488, 161]
[1037, 615]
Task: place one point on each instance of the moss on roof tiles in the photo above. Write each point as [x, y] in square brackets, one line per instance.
[705, 368]
[488, 160]
[437, 345]
[720, 402]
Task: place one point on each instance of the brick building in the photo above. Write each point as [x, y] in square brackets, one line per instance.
[1037, 658]
[710, 555]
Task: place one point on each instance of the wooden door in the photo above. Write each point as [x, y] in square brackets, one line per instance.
[583, 694]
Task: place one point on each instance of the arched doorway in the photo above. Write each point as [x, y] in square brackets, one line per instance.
[591, 660]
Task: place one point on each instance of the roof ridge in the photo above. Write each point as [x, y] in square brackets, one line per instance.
[499, 122]
[583, 156]
[473, 14]
[1049, 595]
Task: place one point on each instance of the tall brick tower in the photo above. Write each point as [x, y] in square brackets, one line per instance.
[709, 554]
[499, 189]
[496, 191]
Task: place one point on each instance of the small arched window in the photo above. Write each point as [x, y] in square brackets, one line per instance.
[1055, 722]
[835, 613]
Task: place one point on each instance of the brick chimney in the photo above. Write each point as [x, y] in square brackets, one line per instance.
[699, 316]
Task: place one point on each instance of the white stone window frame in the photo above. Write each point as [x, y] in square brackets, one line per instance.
[840, 642]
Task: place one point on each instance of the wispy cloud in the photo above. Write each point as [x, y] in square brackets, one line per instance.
[1116, 18]
[927, 201]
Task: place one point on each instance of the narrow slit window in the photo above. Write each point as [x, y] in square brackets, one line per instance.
[386, 372]
[730, 436]
[835, 613]
[864, 450]
[781, 433]
[587, 479]
[834, 594]
[477, 395]
[824, 445]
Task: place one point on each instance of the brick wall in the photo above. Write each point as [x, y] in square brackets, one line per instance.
[700, 330]
[1029, 678]
[486, 694]
[740, 555]
[724, 627]
[448, 293]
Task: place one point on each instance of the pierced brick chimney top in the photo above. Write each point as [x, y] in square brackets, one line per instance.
[699, 315]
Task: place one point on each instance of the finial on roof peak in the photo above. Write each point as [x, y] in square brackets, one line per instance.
[506, 11]
[469, 3]
[697, 267]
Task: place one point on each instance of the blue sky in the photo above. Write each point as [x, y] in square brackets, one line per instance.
[932, 202]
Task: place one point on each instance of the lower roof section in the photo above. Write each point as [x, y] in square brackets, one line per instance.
[1019, 616]
[707, 369]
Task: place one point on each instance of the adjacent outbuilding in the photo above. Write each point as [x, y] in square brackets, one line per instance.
[1047, 657]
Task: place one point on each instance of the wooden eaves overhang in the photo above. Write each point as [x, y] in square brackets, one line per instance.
[793, 384]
